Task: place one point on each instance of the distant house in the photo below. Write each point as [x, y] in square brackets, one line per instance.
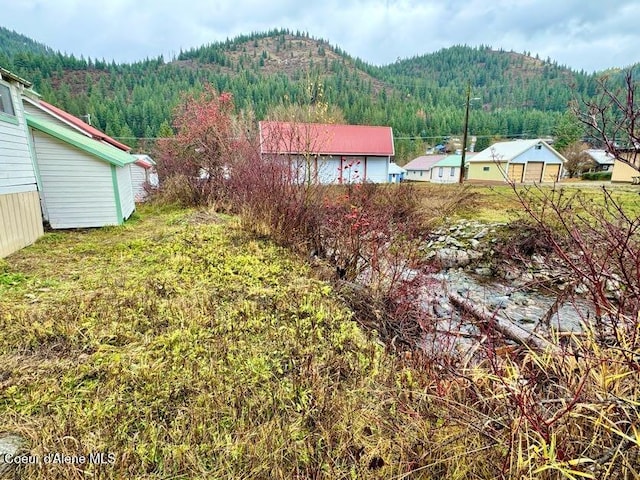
[601, 160]
[518, 161]
[143, 176]
[624, 172]
[327, 153]
[447, 170]
[396, 173]
[20, 215]
[419, 169]
[83, 182]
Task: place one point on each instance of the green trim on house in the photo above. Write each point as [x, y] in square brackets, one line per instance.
[36, 170]
[104, 152]
[116, 192]
[9, 118]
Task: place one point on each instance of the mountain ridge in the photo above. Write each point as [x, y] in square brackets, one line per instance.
[421, 97]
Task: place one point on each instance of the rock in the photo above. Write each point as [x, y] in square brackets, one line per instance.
[450, 257]
[10, 445]
[483, 271]
[481, 234]
[474, 243]
[581, 289]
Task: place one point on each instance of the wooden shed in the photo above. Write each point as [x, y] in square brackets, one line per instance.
[84, 182]
[20, 215]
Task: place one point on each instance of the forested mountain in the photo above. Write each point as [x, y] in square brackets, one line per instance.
[422, 98]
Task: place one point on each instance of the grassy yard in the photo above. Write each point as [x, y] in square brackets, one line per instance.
[190, 350]
[499, 203]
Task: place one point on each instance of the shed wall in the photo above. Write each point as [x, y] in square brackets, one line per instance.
[125, 189]
[77, 188]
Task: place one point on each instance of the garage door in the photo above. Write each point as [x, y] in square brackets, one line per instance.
[533, 172]
[515, 172]
[551, 173]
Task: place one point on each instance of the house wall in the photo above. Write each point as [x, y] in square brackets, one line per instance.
[328, 170]
[20, 221]
[138, 181]
[542, 154]
[41, 114]
[20, 214]
[623, 172]
[418, 175]
[125, 189]
[377, 169]
[496, 172]
[446, 174]
[77, 188]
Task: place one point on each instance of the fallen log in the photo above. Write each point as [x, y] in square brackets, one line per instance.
[508, 329]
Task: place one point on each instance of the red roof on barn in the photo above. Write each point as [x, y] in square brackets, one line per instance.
[75, 121]
[325, 139]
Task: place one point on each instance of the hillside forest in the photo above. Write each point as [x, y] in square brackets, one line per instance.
[514, 95]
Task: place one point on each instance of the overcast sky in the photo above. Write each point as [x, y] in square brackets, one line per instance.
[582, 34]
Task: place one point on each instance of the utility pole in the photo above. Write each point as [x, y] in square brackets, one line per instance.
[464, 134]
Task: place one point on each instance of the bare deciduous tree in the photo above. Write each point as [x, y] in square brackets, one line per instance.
[612, 117]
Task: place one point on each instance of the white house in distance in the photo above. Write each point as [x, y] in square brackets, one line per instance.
[143, 174]
[518, 161]
[447, 170]
[20, 215]
[419, 169]
[329, 153]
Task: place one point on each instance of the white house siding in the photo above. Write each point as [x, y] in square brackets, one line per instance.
[418, 175]
[16, 166]
[138, 181]
[41, 114]
[125, 189]
[377, 169]
[20, 215]
[77, 188]
[447, 176]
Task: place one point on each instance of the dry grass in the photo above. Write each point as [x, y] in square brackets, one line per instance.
[190, 349]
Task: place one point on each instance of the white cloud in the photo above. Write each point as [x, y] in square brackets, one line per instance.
[579, 33]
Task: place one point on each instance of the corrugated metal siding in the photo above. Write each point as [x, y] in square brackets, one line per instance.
[16, 167]
[77, 188]
[125, 188]
[377, 169]
[329, 170]
[20, 221]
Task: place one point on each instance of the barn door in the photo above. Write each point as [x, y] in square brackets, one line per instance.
[515, 172]
[533, 172]
[551, 173]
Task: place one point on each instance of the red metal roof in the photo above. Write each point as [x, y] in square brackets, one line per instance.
[75, 121]
[325, 139]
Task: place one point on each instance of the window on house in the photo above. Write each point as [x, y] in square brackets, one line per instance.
[485, 169]
[440, 171]
[420, 172]
[6, 105]
[453, 171]
[539, 147]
